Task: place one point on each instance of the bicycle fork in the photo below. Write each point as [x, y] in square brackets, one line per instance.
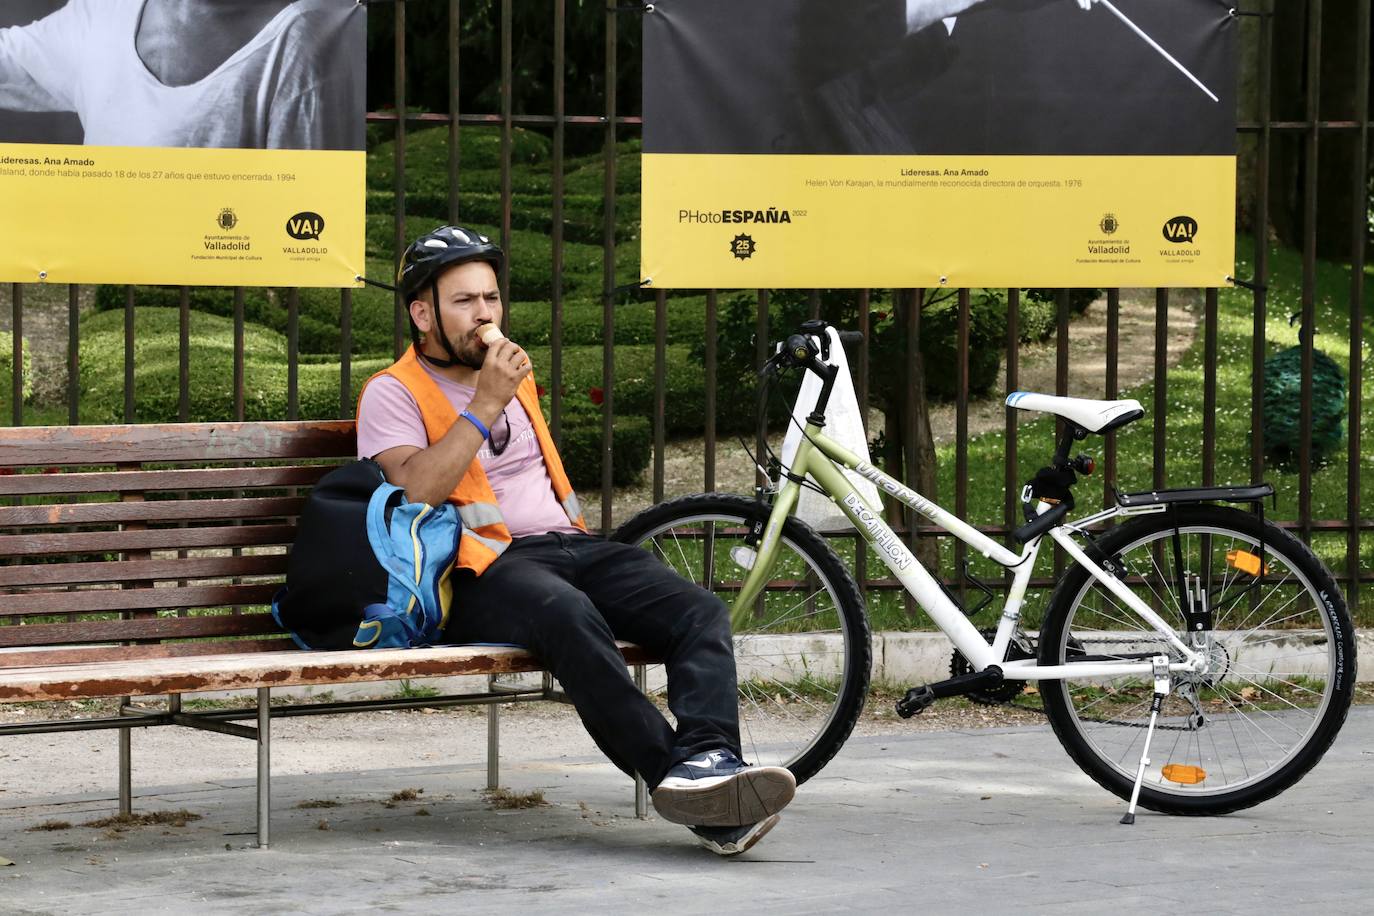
[1162, 684]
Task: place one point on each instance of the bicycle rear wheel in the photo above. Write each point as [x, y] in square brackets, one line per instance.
[802, 655]
[1281, 661]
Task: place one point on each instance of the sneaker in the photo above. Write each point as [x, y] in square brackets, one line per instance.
[717, 789]
[731, 841]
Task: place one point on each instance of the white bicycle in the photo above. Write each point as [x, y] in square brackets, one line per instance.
[1194, 658]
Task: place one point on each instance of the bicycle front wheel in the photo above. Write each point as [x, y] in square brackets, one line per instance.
[1280, 661]
[802, 652]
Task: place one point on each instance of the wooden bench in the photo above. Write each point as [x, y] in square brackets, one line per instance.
[140, 561]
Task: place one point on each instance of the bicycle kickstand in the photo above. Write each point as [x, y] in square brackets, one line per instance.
[1161, 673]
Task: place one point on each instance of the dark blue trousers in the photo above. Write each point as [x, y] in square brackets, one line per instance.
[567, 598]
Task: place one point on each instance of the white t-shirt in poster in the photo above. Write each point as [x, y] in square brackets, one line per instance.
[298, 84]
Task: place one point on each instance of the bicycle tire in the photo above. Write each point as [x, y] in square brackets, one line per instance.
[1281, 656]
[804, 667]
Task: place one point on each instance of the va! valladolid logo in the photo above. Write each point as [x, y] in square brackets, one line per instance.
[1180, 229]
[742, 246]
[305, 226]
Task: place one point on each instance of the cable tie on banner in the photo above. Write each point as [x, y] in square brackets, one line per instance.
[1248, 284]
[1259, 15]
[629, 287]
[377, 283]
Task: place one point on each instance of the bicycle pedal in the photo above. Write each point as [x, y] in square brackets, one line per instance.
[915, 701]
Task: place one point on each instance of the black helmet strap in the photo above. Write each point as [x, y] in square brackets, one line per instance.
[438, 330]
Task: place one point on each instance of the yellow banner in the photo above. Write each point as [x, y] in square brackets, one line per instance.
[215, 217]
[764, 221]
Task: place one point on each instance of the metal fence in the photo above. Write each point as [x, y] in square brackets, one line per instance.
[1258, 138]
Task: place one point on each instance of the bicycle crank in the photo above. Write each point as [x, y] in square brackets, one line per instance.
[917, 699]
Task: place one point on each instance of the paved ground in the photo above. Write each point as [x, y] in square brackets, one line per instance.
[936, 822]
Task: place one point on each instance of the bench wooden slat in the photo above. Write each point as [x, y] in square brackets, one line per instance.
[31, 545]
[168, 568]
[48, 446]
[162, 480]
[66, 655]
[97, 631]
[150, 677]
[158, 510]
[100, 600]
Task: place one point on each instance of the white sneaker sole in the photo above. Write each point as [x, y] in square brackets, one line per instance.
[744, 843]
[747, 797]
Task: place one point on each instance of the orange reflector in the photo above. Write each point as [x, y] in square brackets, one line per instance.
[1183, 774]
[1244, 561]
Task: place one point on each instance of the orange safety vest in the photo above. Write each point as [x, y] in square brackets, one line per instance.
[485, 535]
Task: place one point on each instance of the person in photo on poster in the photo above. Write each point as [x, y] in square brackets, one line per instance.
[858, 66]
[243, 74]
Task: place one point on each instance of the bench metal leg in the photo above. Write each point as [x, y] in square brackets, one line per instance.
[641, 789]
[126, 780]
[264, 765]
[493, 740]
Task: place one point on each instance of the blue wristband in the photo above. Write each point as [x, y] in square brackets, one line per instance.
[481, 427]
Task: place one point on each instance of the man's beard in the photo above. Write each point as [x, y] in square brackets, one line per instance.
[469, 357]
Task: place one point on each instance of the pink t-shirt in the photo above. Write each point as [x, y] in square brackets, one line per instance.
[388, 416]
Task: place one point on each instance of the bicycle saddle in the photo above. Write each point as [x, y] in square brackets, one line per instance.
[1093, 416]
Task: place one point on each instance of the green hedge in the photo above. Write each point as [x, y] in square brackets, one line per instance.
[157, 380]
[986, 342]
[631, 445]
[157, 373]
[531, 323]
[7, 372]
[531, 260]
[633, 390]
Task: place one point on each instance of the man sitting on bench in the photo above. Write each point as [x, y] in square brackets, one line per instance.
[457, 418]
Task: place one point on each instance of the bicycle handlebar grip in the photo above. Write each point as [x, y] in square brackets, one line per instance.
[850, 337]
[1041, 523]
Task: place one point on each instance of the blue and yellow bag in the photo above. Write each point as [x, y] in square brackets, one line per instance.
[368, 569]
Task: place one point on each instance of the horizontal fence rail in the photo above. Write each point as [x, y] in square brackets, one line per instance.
[1200, 445]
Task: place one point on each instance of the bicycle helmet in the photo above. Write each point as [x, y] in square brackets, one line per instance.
[429, 256]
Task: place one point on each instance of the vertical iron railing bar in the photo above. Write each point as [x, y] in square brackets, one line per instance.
[1061, 380]
[73, 354]
[1358, 239]
[1308, 330]
[507, 97]
[1261, 229]
[1010, 497]
[293, 354]
[17, 354]
[238, 353]
[961, 438]
[709, 483]
[761, 341]
[455, 150]
[861, 383]
[813, 303]
[913, 299]
[1161, 390]
[660, 387]
[1113, 386]
[608, 273]
[1209, 388]
[184, 355]
[556, 322]
[400, 322]
[345, 353]
[128, 354]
